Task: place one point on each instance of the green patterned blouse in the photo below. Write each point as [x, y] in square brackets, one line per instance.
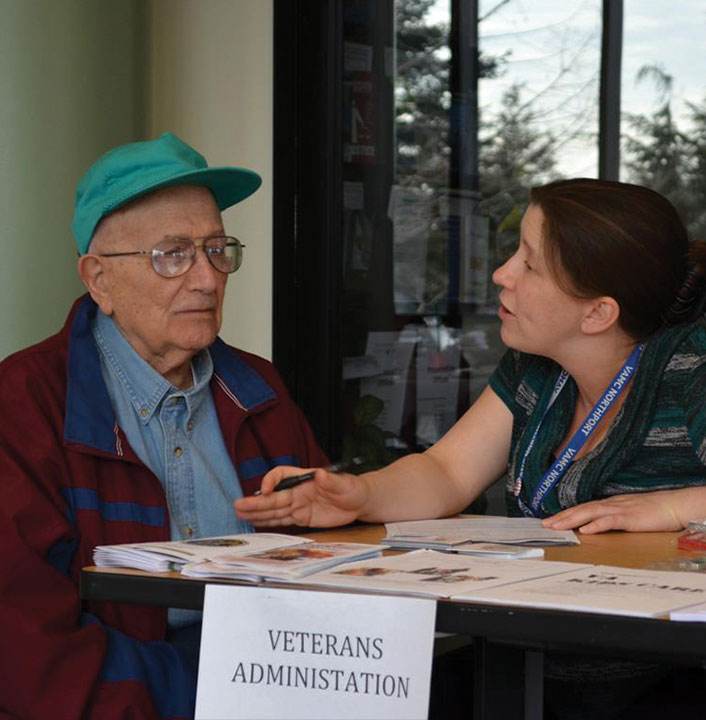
[656, 442]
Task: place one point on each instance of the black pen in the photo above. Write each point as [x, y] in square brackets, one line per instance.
[295, 480]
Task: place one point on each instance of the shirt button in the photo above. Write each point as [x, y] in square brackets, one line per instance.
[143, 412]
[190, 425]
[188, 531]
[178, 451]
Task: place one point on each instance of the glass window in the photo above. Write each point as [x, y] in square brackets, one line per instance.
[451, 112]
[664, 103]
[402, 179]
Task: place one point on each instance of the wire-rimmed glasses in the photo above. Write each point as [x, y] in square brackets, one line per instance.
[174, 256]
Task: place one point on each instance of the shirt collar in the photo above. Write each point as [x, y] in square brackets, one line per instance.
[143, 385]
[89, 418]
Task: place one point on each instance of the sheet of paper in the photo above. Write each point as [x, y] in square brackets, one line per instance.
[498, 551]
[411, 211]
[288, 654]
[474, 234]
[438, 360]
[694, 613]
[491, 529]
[392, 352]
[162, 556]
[602, 589]
[357, 57]
[435, 574]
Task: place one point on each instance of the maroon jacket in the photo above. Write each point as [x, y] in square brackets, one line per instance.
[69, 481]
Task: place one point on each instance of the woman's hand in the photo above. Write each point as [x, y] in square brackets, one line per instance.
[661, 511]
[328, 500]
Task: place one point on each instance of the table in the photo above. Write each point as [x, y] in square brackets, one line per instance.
[507, 641]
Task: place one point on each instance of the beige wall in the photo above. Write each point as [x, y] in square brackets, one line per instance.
[79, 76]
[69, 88]
[211, 84]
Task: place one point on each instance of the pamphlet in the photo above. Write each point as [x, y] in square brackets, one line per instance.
[281, 564]
[462, 546]
[693, 613]
[446, 533]
[498, 551]
[601, 589]
[163, 556]
[434, 574]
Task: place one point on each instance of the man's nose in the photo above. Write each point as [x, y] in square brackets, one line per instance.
[202, 275]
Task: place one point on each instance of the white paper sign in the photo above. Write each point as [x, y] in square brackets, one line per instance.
[280, 653]
[438, 360]
[393, 353]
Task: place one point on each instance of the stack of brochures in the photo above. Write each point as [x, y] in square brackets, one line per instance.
[248, 556]
[517, 537]
[283, 564]
[162, 556]
[435, 574]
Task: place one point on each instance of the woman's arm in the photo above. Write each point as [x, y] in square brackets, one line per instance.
[441, 481]
[661, 511]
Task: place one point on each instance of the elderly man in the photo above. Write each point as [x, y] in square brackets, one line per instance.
[134, 423]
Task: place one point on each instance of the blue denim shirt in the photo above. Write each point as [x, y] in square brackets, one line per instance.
[176, 434]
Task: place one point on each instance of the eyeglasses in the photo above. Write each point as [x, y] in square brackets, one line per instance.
[174, 256]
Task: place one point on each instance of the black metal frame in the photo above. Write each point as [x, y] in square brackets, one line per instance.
[609, 98]
[308, 207]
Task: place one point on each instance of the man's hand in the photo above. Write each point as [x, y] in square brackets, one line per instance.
[330, 499]
[661, 511]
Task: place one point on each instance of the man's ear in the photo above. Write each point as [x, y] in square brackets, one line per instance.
[602, 314]
[92, 272]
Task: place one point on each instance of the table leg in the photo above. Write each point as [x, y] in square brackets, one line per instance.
[498, 681]
[534, 685]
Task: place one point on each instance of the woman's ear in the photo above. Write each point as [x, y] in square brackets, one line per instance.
[602, 314]
[93, 274]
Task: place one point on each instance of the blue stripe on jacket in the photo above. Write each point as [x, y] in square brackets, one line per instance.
[85, 499]
[259, 466]
[169, 673]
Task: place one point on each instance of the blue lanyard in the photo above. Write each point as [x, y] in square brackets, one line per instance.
[567, 455]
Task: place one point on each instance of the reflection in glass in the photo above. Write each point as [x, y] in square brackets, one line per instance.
[451, 112]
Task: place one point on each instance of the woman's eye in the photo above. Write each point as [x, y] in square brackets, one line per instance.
[527, 265]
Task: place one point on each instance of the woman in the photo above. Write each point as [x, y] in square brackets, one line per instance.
[597, 413]
[603, 286]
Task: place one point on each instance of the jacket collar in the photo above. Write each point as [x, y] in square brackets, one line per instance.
[90, 420]
[247, 388]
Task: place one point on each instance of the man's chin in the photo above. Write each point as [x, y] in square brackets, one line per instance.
[198, 341]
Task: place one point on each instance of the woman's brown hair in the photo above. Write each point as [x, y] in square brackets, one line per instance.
[624, 241]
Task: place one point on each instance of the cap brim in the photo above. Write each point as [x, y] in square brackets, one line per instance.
[229, 185]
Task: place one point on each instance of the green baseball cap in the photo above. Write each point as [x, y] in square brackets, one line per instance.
[129, 171]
